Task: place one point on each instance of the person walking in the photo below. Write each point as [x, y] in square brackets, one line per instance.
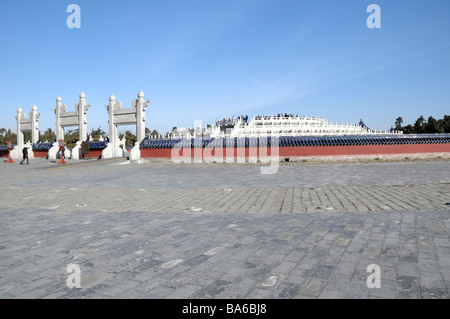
[25, 155]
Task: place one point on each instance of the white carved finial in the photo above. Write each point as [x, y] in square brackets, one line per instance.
[58, 99]
[141, 94]
[146, 103]
[34, 108]
[82, 95]
[112, 97]
[19, 110]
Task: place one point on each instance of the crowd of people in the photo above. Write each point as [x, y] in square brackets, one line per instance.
[279, 115]
[244, 119]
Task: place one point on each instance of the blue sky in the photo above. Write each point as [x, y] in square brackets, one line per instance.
[205, 59]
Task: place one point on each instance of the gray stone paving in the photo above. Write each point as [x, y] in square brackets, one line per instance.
[225, 231]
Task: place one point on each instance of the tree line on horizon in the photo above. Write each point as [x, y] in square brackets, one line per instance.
[422, 126]
[71, 136]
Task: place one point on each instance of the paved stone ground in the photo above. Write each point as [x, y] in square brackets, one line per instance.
[225, 231]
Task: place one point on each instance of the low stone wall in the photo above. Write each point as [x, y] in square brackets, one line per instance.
[299, 152]
[93, 154]
[41, 153]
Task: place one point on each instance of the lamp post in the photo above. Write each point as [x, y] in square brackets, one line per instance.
[9, 146]
[61, 152]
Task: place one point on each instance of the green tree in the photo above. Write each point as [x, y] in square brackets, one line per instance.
[97, 133]
[130, 139]
[71, 137]
[446, 123]
[2, 136]
[419, 125]
[155, 133]
[398, 123]
[11, 137]
[408, 129]
[26, 137]
[48, 136]
[440, 125]
[431, 126]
